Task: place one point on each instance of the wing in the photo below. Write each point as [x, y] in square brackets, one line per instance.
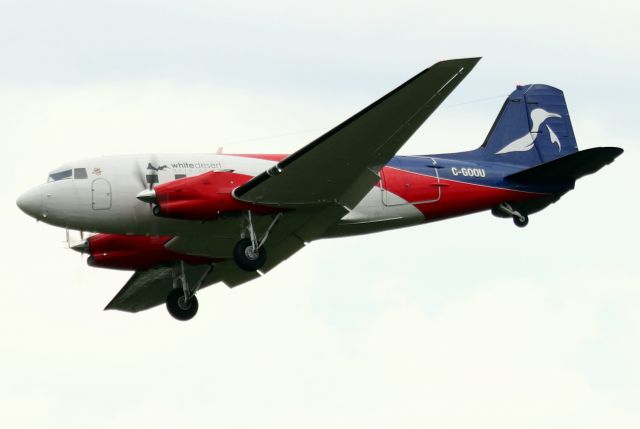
[147, 289]
[342, 165]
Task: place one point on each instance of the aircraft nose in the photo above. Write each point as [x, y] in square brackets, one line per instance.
[31, 202]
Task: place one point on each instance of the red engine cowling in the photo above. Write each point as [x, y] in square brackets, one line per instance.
[134, 252]
[203, 197]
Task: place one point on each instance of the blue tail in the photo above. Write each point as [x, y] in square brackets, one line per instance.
[532, 128]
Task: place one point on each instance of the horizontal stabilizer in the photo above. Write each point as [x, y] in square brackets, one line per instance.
[568, 168]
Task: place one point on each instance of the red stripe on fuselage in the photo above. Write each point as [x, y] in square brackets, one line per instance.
[455, 199]
[459, 198]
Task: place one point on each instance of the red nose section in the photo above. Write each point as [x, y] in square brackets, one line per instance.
[135, 252]
[203, 197]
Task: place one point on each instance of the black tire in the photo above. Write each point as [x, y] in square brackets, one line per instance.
[521, 223]
[242, 259]
[177, 307]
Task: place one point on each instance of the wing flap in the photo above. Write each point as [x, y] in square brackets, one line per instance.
[285, 249]
[229, 273]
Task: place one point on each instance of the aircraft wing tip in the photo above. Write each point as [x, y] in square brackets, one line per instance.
[470, 60]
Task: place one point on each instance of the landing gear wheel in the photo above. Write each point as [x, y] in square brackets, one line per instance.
[180, 308]
[247, 258]
[521, 223]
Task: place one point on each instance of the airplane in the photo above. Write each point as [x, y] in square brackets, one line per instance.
[183, 222]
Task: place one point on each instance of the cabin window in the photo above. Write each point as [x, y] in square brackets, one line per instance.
[60, 175]
[79, 173]
[180, 176]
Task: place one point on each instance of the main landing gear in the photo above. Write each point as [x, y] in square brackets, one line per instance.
[181, 302]
[249, 253]
[182, 307]
[248, 256]
[519, 219]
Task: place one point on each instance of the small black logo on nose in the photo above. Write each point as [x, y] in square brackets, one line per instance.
[151, 167]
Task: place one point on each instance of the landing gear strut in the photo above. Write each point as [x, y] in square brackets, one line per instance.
[181, 302]
[519, 219]
[249, 253]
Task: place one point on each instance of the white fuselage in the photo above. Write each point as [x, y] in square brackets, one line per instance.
[105, 200]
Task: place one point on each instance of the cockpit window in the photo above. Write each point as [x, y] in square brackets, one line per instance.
[60, 175]
[76, 173]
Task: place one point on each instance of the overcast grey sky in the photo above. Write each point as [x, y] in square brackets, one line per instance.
[461, 324]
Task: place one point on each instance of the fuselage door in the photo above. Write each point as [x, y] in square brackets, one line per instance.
[100, 194]
[412, 181]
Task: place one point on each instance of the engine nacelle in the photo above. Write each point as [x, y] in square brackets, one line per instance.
[203, 197]
[134, 252]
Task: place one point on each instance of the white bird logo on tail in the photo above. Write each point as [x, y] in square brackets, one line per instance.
[524, 143]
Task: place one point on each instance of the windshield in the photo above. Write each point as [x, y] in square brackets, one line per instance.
[76, 173]
[60, 175]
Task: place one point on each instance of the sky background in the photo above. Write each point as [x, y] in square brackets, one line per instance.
[465, 323]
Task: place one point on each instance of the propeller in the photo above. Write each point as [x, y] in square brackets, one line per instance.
[148, 178]
[75, 241]
[147, 172]
[78, 242]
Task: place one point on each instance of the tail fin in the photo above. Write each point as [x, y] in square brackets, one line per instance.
[532, 128]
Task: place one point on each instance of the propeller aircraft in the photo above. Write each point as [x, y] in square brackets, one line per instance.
[186, 221]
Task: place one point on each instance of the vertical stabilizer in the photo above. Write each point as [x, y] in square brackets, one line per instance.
[532, 128]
